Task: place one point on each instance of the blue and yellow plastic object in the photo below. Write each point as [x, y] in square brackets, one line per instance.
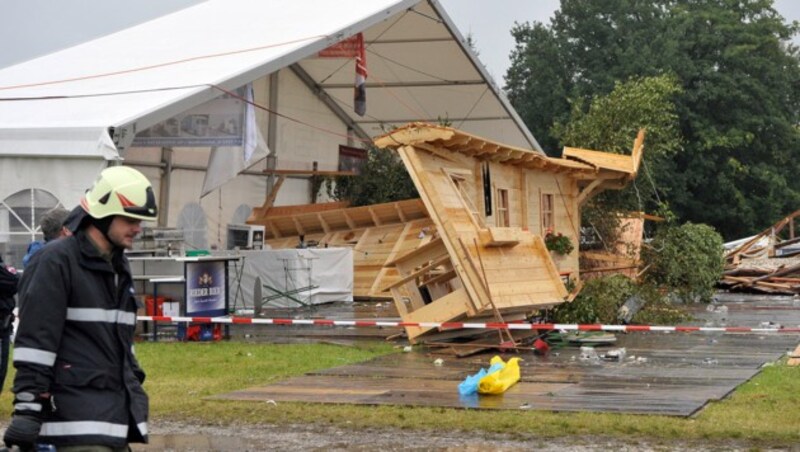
[470, 384]
[498, 382]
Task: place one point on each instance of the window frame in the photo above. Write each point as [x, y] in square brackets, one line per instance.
[547, 211]
[502, 211]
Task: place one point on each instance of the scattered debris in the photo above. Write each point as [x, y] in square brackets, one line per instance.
[617, 354]
[767, 262]
[589, 354]
[591, 337]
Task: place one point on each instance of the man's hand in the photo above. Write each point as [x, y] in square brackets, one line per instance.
[22, 432]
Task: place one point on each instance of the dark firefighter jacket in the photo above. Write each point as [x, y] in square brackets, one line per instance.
[8, 287]
[75, 342]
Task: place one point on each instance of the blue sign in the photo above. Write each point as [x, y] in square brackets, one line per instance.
[206, 288]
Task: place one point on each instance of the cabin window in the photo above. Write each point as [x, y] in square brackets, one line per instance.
[548, 217]
[503, 220]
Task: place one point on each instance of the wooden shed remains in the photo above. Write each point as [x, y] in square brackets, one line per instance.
[377, 234]
[473, 245]
[492, 206]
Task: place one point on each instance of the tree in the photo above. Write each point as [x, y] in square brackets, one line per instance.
[382, 178]
[686, 260]
[738, 108]
[538, 81]
[611, 123]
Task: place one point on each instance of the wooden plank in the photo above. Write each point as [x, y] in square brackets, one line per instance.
[446, 308]
[412, 135]
[794, 357]
[273, 194]
[400, 213]
[430, 195]
[348, 220]
[508, 236]
[437, 151]
[283, 211]
[323, 223]
[378, 283]
[430, 250]
[417, 273]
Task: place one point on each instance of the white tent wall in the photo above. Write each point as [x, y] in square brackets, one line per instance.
[219, 206]
[65, 179]
[299, 145]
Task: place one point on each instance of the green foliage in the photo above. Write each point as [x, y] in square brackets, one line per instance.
[383, 178]
[686, 260]
[558, 243]
[598, 302]
[658, 308]
[611, 124]
[738, 106]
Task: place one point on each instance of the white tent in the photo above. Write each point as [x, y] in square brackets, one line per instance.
[64, 115]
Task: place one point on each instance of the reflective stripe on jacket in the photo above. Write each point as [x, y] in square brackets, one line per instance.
[75, 341]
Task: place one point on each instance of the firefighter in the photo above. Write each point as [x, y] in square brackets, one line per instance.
[8, 287]
[78, 383]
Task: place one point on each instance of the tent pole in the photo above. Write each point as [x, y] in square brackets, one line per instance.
[166, 179]
[272, 131]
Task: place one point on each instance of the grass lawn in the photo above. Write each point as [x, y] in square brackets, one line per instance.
[765, 410]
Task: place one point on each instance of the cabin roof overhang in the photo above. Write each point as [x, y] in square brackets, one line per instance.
[578, 163]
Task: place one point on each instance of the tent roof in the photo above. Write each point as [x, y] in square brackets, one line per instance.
[419, 69]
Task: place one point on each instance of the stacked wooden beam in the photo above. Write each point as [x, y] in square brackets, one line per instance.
[763, 263]
[775, 276]
[376, 233]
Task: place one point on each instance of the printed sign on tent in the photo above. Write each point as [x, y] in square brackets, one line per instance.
[218, 122]
[205, 288]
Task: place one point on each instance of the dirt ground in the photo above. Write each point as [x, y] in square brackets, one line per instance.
[171, 436]
[179, 436]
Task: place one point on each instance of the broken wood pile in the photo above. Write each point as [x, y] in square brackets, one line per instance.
[764, 263]
[376, 233]
[767, 275]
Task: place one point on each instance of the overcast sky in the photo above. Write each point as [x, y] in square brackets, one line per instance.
[490, 27]
[30, 28]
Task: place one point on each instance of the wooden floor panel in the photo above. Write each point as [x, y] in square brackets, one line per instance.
[667, 374]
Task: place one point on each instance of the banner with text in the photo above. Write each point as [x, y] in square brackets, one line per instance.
[205, 288]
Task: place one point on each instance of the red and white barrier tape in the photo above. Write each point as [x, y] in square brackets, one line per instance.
[465, 325]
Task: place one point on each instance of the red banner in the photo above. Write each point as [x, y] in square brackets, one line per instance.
[353, 47]
[349, 48]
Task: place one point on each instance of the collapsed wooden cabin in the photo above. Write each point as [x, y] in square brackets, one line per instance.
[479, 253]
